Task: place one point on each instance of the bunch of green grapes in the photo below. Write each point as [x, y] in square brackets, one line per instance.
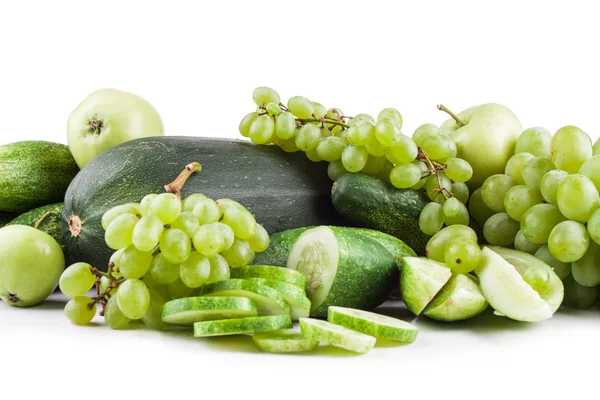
[426, 161]
[547, 203]
[165, 248]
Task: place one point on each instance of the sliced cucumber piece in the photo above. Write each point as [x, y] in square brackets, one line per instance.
[372, 324]
[336, 335]
[420, 280]
[284, 342]
[268, 300]
[270, 272]
[292, 294]
[189, 310]
[460, 298]
[242, 326]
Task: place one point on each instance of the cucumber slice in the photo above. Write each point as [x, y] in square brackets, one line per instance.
[343, 268]
[336, 335]
[420, 280]
[270, 272]
[284, 342]
[242, 326]
[461, 298]
[292, 294]
[372, 324]
[268, 300]
[188, 310]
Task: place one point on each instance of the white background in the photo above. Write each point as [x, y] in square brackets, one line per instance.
[198, 62]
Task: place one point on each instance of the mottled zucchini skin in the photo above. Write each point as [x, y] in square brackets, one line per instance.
[34, 173]
[368, 202]
[51, 224]
[283, 190]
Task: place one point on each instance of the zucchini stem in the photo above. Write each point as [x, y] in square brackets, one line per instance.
[176, 186]
[43, 218]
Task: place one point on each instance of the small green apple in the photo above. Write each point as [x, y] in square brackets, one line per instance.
[460, 298]
[106, 118]
[485, 136]
[420, 280]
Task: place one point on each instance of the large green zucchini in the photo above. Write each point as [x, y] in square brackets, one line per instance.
[283, 190]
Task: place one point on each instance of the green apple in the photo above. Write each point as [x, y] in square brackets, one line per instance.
[460, 298]
[420, 280]
[485, 136]
[510, 288]
[106, 118]
[31, 263]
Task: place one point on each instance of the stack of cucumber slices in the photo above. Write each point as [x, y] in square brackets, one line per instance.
[264, 301]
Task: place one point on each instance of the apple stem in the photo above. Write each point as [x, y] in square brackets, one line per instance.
[445, 109]
[176, 186]
[43, 218]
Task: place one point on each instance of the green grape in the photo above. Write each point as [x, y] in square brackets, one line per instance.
[208, 239]
[289, 145]
[514, 166]
[461, 217]
[578, 296]
[175, 246]
[224, 204]
[119, 233]
[319, 110]
[477, 207]
[153, 317]
[114, 212]
[593, 226]
[431, 219]
[591, 169]
[577, 198]
[145, 203]
[313, 156]
[494, 189]
[520, 198]
[424, 131]
[570, 148]
[586, 270]
[460, 190]
[273, 109]
[228, 234]
[77, 279]
[522, 244]
[451, 207]
[219, 269]
[259, 242]
[239, 254]
[391, 113]
[163, 271]
[361, 117]
[360, 133]
[439, 147]
[146, 233]
[462, 255]
[549, 185]
[375, 148]
[596, 148]
[386, 132]
[535, 141]
[113, 316]
[560, 268]
[207, 211]
[500, 229]
[147, 278]
[80, 310]
[568, 241]
[133, 298]
[404, 176]
[403, 151]
[432, 185]
[335, 169]
[308, 137]
[538, 278]
[354, 158]
[422, 167]
[242, 223]
[165, 206]
[535, 169]
[301, 107]
[385, 172]
[134, 263]
[246, 122]
[186, 222]
[262, 129]
[374, 165]
[325, 132]
[263, 95]
[188, 204]
[104, 282]
[458, 170]
[436, 246]
[195, 270]
[179, 290]
[285, 126]
[115, 258]
[334, 113]
[538, 222]
[331, 148]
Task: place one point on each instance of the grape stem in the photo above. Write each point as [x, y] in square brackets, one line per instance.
[434, 168]
[176, 186]
[113, 283]
[445, 109]
[43, 218]
[322, 121]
